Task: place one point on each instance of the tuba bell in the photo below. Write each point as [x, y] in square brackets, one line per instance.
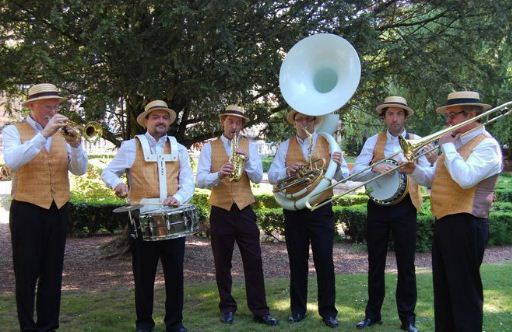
[317, 77]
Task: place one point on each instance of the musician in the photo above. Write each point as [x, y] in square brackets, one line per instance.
[398, 219]
[231, 216]
[303, 226]
[463, 181]
[40, 156]
[140, 158]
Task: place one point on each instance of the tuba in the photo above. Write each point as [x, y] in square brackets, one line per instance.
[236, 159]
[317, 77]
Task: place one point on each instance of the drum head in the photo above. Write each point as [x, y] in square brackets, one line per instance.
[127, 208]
[385, 187]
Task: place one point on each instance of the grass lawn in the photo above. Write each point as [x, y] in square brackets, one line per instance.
[113, 310]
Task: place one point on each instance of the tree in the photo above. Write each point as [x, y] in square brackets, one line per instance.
[112, 57]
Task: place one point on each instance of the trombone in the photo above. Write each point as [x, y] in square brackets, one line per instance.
[411, 151]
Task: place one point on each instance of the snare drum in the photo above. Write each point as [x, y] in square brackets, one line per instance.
[169, 223]
[390, 189]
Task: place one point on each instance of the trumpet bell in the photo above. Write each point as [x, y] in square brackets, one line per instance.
[319, 74]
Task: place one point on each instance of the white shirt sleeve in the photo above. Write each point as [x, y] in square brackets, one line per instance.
[17, 154]
[277, 170]
[204, 178]
[253, 166]
[186, 177]
[364, 160]
[484, 161]
[121, 163]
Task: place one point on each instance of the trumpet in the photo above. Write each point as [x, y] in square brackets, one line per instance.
[414, 149]
[73, 132]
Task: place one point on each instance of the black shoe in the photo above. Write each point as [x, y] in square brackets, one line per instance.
[367, 322]
[409, 327]
[227, 317]
[179, 329]
[266, 319]
[331, 322]
[295, 318]
[144, 329]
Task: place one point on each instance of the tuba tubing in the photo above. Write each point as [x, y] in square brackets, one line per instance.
[287, 202]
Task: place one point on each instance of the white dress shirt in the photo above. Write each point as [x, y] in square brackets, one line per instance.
[277, 169]
[207, 179]
[391, 148]
[17, 154]
[125, 158]
[484, 161]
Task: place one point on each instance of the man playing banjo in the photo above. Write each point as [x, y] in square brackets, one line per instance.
[389, 213]
[159, 173]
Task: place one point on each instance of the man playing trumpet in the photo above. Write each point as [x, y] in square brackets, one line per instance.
[303, 226]
[231, 217]
[40, 156]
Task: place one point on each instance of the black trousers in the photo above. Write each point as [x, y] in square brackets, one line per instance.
[145, 256]
[303, 227]
[38, 239]
[457, 253]
[399, 220]
[227, 227]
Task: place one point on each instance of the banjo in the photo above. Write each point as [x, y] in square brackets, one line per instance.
[390, 189]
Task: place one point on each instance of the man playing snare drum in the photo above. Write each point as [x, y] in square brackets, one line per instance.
[145, 158]
[399, 219]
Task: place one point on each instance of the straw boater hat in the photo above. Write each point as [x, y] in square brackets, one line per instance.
[155, 105]
[290, 117]
[43, 91]
[463, 98]
[394, 101]
[234, 110]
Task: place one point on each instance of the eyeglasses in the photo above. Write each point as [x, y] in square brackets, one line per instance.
[453, 115]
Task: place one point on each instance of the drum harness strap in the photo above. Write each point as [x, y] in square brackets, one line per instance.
[160, 159]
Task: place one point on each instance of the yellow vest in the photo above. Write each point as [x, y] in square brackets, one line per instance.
[44, 179]
[412, 187]
[448, 197]
[226, 193]
[144, 182]
[320, 151]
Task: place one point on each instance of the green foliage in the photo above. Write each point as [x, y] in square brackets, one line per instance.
[113, 56]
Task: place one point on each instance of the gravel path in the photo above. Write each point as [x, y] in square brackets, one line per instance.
[84, 269]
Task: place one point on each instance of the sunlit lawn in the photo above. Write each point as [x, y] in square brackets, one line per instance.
[113, 310]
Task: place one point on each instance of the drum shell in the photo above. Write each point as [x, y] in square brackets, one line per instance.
[168, 223]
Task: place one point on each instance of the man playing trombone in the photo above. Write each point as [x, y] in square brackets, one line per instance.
[40, 155]
[399, 218]
[303, 226]
[462, 182]
[227, 165]
[141, 159]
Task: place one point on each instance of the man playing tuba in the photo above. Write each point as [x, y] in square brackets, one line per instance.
[303, 226]
[231, 217]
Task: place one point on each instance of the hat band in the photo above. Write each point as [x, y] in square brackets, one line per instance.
[156, 107]
[395, 103]
[44, 94]
[232, 112]
[462, 101]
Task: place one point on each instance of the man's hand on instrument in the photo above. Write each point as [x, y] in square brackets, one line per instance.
[383, 168]
[448, 138]
[121, 190]
[226, 170]
[432, 155]
[292, 169]
[171, 201]
[407, 167]
[336, 157]
[54, 124]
